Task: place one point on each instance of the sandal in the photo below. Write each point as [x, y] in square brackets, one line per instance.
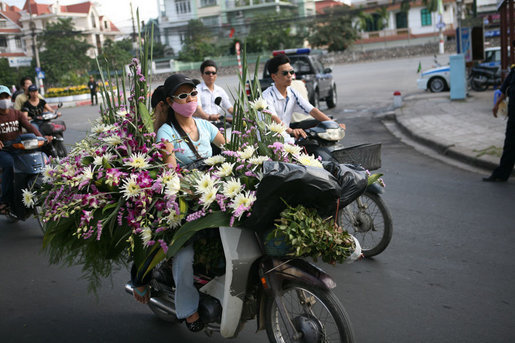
[4, 209]
[142, 296]
[195, 326]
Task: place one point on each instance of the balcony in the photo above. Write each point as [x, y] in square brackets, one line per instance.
[238, 5]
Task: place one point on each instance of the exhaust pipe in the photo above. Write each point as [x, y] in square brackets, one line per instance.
[162, 304]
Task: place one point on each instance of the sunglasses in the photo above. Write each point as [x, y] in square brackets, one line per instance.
[210, 72]
[185, 95]
[286, 72]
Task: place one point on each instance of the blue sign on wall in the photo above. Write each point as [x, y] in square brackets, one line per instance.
[463, 43]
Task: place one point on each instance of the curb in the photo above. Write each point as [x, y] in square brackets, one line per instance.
[72, 104]
[448, 151]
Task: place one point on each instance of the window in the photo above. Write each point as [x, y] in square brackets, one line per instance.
[17, 41]
[3, 23]
[182, 6]
[210, 21]
[425, 17]
[373, 23]
[205, 3]
[401, 20]
[93, 21]
[3, 42]
[105, 25]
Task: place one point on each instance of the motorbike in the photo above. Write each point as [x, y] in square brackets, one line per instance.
[48, 126]
[481, 77]
[29, 164]
[292, 299]
[367, 218]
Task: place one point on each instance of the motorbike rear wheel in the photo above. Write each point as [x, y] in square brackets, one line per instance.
[315, 313]
[478, 83]
[370, 221]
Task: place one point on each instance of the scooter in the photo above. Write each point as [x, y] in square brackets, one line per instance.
[367, 218]
[48, 126]
[481, 77]
[29, 165]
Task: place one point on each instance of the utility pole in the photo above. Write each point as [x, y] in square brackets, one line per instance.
[441, 46]
[35, 52]
[459, 10]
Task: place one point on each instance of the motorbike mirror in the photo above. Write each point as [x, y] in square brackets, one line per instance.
[218, 100]
[60, 105]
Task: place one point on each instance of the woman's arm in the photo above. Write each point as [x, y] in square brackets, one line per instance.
[219, 139]
[169, 155]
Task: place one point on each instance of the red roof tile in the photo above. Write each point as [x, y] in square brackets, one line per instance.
[113, 27]
[12, 54]
[12, 15]
[83, 7]
[37, 9]
[10, 30]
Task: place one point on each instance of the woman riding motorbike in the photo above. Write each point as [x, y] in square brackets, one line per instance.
[34, 107]
[186, 139]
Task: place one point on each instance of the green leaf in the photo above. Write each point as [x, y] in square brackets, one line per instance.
[145, 117]
[373, 178]
[212, 220]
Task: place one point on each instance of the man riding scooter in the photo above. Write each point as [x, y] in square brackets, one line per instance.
[11, 122]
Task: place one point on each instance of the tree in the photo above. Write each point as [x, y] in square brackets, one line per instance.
[198, 43]
[333, 29]
[64, 50]
[272, 32]
[11, 76]
[382, 16]
[117, 54]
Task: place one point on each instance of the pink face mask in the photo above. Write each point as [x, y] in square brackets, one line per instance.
[185, 110]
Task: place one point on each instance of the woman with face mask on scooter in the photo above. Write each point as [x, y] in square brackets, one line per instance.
[186, 140]
[11, 122]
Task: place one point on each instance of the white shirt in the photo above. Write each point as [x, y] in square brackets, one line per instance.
[284, 107]
[207, 98]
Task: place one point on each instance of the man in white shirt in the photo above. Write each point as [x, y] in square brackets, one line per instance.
[284, 100]
[208, 91]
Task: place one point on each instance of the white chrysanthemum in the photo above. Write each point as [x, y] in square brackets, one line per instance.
[108, 156]
[70, 170]
[231, 188]
[292, 149]
[259, 104]
[258, 160]
[173, 185]
[173, 219]
[245, 199]
[87, 174]
[138, 161]
[130, 187]
[122, 113]
[308, 160]
[278, 128]
[47, 173]
[205, 183]
[217, 159]
[101, 128]
[146, 235]
[225, 169]
[28, 198]
[98, 160]
[208, 196]
[113, 140]
[246, 153]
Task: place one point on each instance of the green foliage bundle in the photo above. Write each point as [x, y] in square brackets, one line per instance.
[307, 234]
[11, 76]
[334, 29]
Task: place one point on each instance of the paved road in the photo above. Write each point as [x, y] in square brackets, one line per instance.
[447, 275]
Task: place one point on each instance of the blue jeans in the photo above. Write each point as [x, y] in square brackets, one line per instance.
[186, 295]
[6, 163]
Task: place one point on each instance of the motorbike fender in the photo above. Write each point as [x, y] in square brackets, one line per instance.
[301, 271]
[375, 188]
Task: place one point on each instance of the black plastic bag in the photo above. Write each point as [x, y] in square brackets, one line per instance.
[294, 184]
[353, 180]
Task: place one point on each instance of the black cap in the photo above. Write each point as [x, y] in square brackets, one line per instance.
[33, 88]
[175, 81]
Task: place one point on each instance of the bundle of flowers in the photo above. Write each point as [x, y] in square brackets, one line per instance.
[112, 201]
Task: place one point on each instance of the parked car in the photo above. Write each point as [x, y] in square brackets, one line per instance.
[308, 68]
[437, 79]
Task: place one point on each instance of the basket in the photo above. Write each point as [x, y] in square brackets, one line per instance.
[366, 155]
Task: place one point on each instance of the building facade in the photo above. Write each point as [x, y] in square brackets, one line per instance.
[20, 27]
[226, 17]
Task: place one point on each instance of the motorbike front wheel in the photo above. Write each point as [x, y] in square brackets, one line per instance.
[60, 149]
[316, 314]
[369, 220]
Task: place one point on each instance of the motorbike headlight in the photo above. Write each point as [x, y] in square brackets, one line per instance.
[332, 134]
[30, 144]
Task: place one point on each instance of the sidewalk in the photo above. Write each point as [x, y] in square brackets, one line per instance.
[464, 130]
